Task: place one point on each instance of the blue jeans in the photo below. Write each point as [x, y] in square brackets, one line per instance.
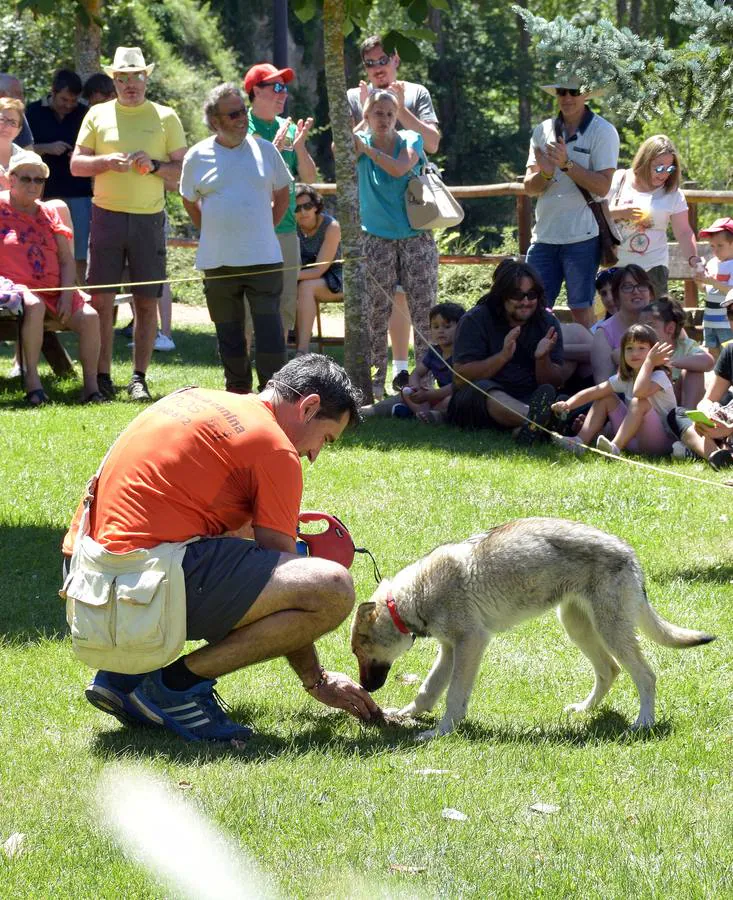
[575, 264]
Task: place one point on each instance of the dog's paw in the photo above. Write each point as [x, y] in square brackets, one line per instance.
[642, 723]
[576, 708]
[427, 735]
[409, 711]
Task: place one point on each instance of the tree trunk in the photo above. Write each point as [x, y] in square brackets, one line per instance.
[524, 77]
[356, 341]
[620, 13]
[88, 40]
[635, 16]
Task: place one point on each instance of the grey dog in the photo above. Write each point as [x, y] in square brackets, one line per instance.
[463, 593]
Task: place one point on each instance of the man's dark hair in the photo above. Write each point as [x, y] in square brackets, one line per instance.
[371, 43]
[604, 277]
[66, 79]
[507, 276]
[450, 311]
[211, 104]
[313, 373]
[99, 83]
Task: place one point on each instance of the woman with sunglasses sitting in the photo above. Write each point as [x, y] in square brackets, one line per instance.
[644, 200]
[320, 244]
[35, 253]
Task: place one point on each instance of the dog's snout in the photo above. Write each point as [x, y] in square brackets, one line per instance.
[372, 675]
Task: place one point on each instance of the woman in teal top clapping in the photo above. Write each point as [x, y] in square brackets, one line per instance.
[395, 252]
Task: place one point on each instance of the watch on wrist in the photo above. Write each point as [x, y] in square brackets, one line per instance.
[155, 165]
[569, 164]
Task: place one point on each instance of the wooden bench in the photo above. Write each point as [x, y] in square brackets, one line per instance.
[52, 349]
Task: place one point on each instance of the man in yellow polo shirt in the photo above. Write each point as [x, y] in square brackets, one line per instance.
[133, 148]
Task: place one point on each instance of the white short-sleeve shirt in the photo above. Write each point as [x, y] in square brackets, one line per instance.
[235, 185]
[645, 246]
[662, 401]
[562, 216]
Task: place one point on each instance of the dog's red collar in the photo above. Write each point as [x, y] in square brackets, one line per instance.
[399, 624]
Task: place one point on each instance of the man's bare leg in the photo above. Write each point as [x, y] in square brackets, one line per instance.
[144, 330]
[105, 306]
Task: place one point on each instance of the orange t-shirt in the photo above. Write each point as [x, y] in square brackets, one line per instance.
[196, 463]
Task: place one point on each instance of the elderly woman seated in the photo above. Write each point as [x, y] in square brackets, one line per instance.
[35, 252]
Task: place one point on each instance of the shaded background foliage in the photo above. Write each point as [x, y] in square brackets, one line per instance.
[483, 82]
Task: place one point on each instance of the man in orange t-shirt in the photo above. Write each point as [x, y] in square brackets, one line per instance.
[203, 463]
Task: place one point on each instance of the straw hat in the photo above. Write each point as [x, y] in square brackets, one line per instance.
[572, 84]
[128, 59]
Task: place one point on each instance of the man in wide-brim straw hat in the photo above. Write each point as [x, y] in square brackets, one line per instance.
[575, 150]
[133, 148]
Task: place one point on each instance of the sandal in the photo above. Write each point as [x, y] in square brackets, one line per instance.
[37, 397]
[94, 397]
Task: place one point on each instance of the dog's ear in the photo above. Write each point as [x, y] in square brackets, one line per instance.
[367, 611]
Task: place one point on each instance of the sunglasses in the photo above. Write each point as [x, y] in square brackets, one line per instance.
[518, 296]
[562, 92]
[300, 207]
[132, 76]
[277, 86]
[12, 122]
[373, 63]
[667, 169]
[28, 179]
[235, 114]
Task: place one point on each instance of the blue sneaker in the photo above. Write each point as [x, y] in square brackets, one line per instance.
[109, 691]
[194, 715]
[402, 411]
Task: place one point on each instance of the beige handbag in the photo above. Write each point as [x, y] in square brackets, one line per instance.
[126, 611]
[429, 203]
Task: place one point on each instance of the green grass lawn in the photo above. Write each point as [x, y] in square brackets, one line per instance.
[325, 805]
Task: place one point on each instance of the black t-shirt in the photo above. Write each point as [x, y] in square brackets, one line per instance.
[46, 129]
[481, 334]
[724, 365]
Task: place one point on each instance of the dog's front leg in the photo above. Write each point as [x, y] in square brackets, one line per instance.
[434, 685]
[467, 655]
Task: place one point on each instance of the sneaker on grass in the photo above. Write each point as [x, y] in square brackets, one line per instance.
[109, 691]
[194, 715]
[603, 444]
[106, 388]
[679, 451]
[539, 414]
[163, 343]
[571, 443]
[138, 390]
[720, 459]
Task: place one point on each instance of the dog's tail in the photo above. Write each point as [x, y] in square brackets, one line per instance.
[667, 634]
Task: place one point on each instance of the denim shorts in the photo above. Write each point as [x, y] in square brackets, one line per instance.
[715, 337]
[81, 215]
[575, 264]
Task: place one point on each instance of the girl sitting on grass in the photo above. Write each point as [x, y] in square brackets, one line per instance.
[690, 361]
[640, 419]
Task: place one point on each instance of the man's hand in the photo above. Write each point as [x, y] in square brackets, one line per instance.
[141, 162]
[546, 344]
[510, 342]
[717, 433]
[398, 89]
[57, 148]
[557, 153]
[340, 692]
[118, 162]
[301, 132]
[363, 92]
[280, 140]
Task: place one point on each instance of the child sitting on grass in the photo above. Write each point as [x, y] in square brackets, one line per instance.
[640, 420]
[690, 361]
[712, 443]
[429, 404]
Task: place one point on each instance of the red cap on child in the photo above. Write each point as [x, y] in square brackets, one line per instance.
[718, 225]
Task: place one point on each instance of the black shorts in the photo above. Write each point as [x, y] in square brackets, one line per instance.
[224, 577]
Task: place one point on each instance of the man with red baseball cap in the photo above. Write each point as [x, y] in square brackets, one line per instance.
[267, 90]
[717, 278]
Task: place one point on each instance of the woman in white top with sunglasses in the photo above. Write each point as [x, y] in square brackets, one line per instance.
[644, 200]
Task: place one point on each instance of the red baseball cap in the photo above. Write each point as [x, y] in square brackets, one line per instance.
[718, 225]
[264, 72]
